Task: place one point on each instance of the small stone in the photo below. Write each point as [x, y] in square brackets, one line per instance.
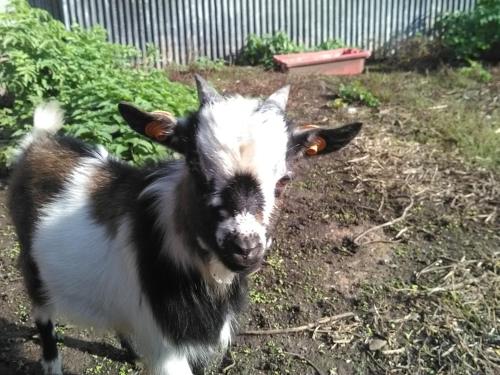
[376, 344]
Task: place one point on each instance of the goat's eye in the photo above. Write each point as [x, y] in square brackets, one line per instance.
[280, 186]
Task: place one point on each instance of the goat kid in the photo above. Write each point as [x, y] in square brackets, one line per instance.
[158, 254]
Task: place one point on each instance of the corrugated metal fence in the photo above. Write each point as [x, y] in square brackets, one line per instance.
[184, 30]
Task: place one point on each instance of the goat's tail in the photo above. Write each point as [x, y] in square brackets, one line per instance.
[48, 119]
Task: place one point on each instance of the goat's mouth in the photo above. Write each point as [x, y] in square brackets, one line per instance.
[244, 263]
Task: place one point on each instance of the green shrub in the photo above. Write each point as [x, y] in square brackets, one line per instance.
[260, 50]
[330, 44]
[475, 34]
[476, 72]
[86, 74]
[356, 93]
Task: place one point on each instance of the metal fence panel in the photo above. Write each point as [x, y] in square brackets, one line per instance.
[184, 30]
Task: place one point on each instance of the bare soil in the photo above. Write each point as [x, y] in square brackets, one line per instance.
[397, 241]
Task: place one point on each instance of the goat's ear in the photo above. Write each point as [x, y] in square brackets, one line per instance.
[158, 126]
[279, 98]
[206, 93]
[313, 140]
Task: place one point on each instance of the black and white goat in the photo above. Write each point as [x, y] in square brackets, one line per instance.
[160, 254]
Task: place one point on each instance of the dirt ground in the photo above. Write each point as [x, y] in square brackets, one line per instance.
[386, 258]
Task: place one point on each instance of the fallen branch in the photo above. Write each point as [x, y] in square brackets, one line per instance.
[389, 223]
[306, 327]
[309, 362]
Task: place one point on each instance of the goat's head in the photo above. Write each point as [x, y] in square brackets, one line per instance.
[240, 153]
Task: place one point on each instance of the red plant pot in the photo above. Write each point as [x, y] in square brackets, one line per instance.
[341, 61]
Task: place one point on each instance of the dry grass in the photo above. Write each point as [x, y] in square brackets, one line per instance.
[446, 109]
[449, 322]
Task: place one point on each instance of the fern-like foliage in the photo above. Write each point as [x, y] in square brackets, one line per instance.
[40, 59]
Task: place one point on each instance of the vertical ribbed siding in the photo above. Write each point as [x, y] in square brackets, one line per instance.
[184, 30]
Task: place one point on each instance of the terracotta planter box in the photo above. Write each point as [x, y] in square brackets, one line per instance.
[341, 61]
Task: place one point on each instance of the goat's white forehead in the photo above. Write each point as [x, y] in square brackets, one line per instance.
[234, 136]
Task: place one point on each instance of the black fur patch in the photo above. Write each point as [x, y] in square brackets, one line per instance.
[115, 188]
[242, 193]
[182, 302]
[48, 340]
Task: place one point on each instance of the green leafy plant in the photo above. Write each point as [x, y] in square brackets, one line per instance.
[475, 71]
[207, 65]
[330, 44]
[260, 50]
[475, 34]
[42, 60]
[355, 92]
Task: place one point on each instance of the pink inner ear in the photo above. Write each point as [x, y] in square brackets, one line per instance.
[318, 145]
[156, 130]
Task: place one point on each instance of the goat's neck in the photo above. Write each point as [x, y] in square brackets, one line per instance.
[185, 234]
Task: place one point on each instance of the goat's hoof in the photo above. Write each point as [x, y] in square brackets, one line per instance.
[52, 367]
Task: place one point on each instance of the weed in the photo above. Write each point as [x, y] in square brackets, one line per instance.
[98, 369]
[60, 330]
[356, 93]
[260, 50]
[125, 370]
[22, 312]
[204, 64]
[14, 251]
[330, 44]
[105, 366]
[475, 71]
[262, 297]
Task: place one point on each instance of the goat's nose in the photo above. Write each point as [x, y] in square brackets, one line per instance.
[248, 242]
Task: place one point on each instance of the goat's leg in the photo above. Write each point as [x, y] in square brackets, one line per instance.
[126, 345]
[169, 362]
[173, 363]
[51, 362]
[161, 358]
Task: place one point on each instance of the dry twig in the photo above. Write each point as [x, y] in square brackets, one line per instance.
[309, 362]
[231, 365]
[306, 327]
[393, 351]
[389, 223]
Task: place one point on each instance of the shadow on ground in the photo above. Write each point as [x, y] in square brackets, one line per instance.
[14, 361]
